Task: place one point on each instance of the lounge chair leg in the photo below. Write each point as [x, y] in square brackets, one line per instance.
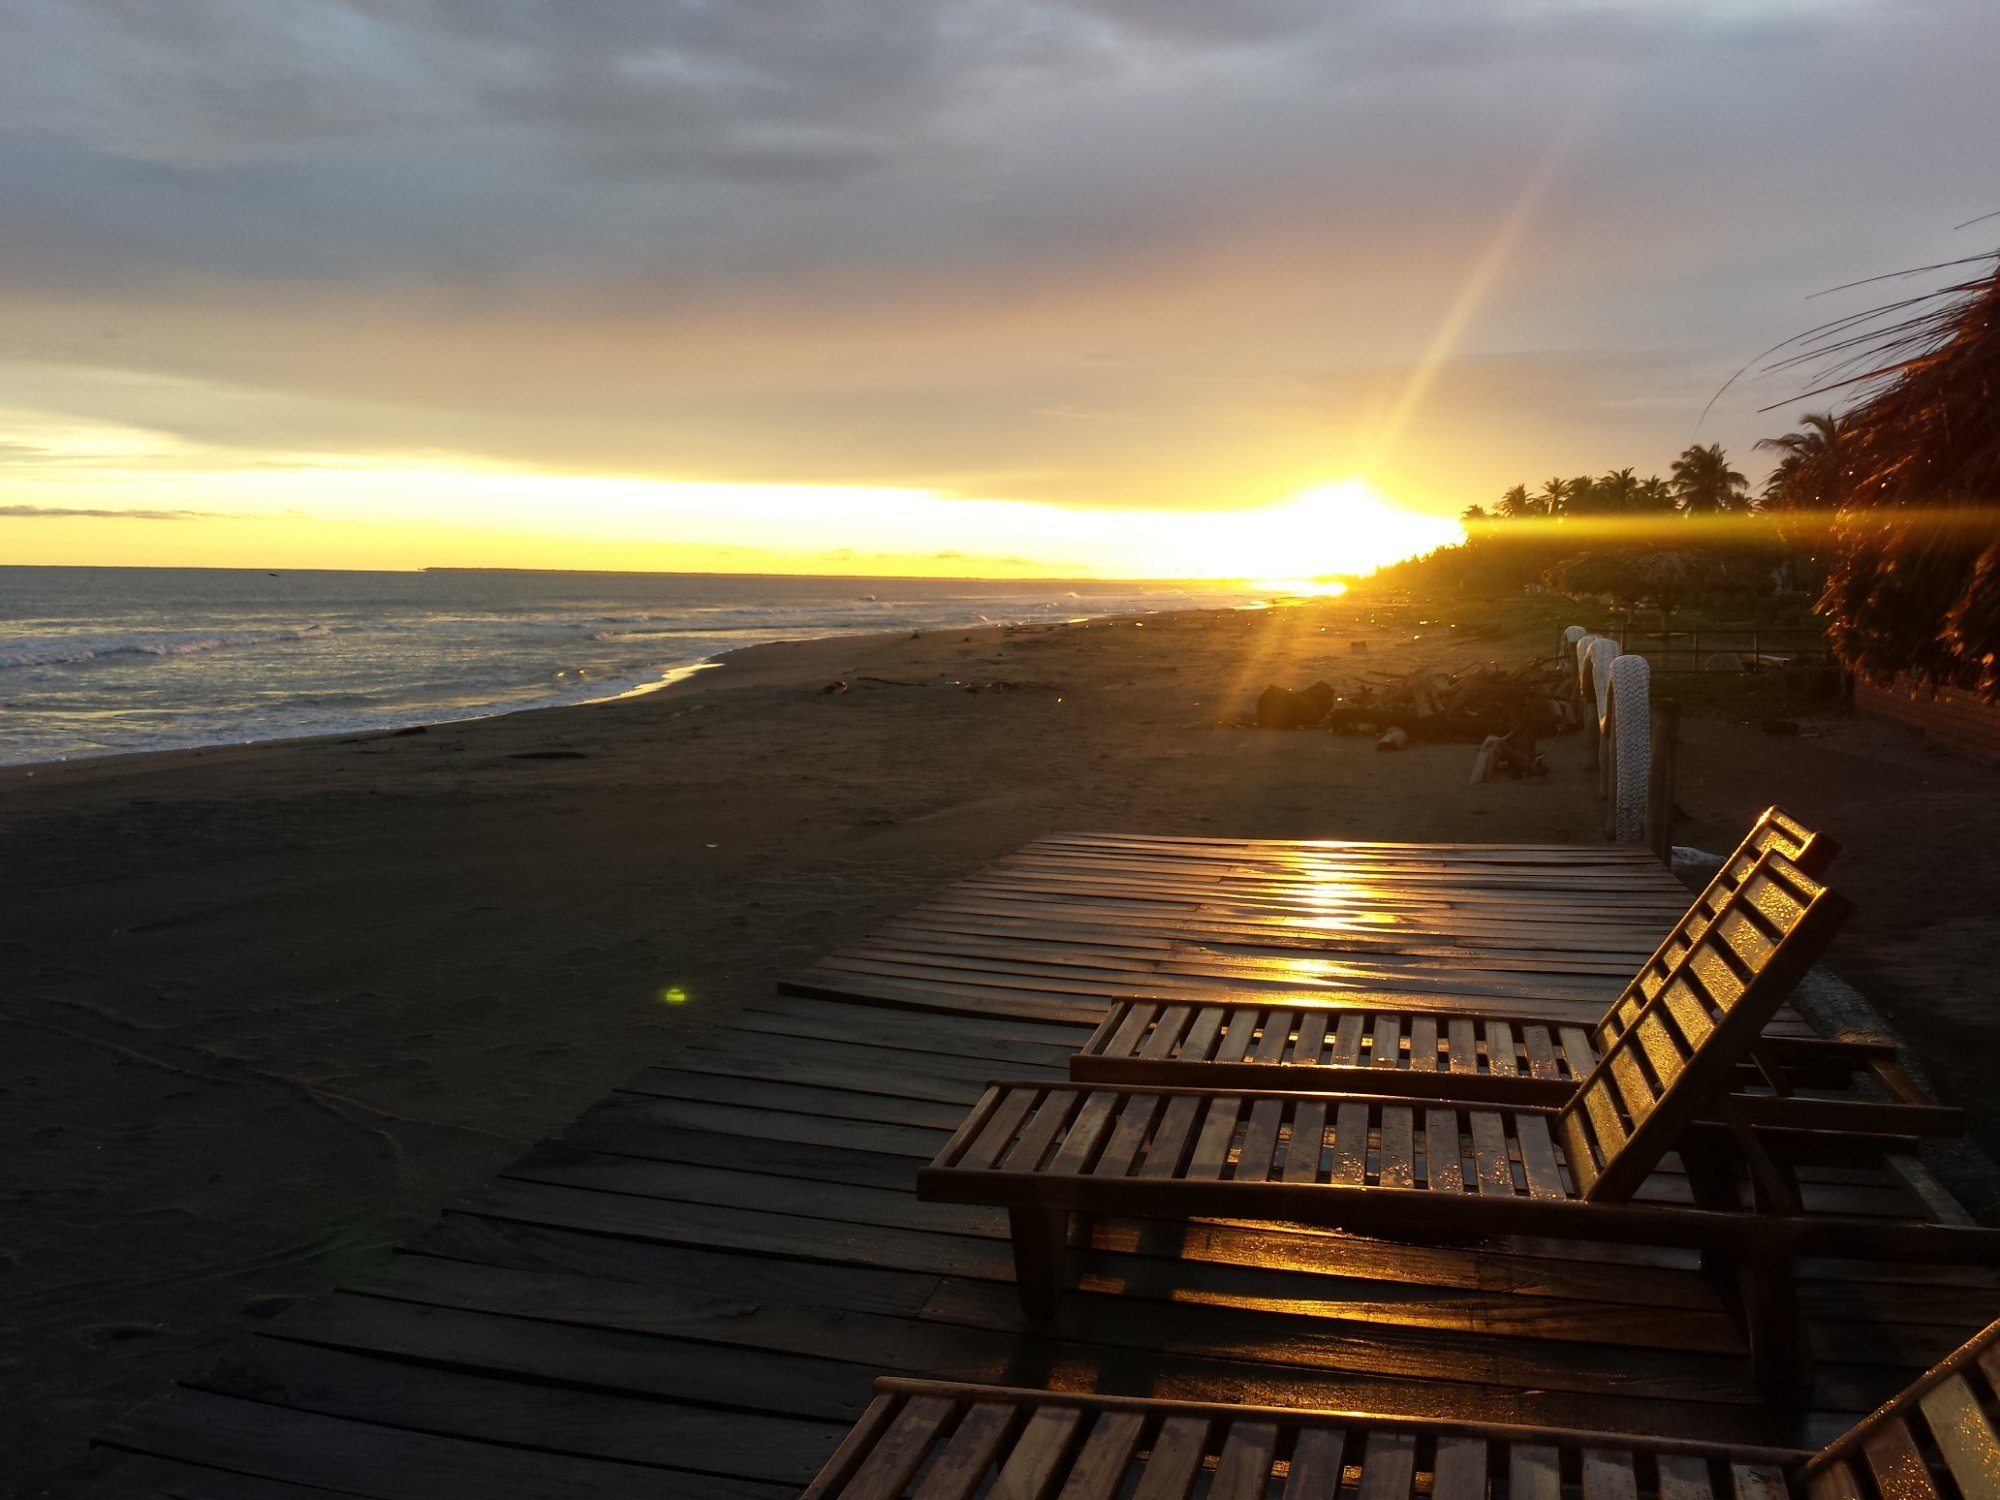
[1780, 1352]
[1041, 1236]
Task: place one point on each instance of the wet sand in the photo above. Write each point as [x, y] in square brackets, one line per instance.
[268, 1008]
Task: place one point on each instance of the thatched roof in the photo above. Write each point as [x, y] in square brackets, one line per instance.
[1915, 585]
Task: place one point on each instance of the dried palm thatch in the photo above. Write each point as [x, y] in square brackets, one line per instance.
[1915, 585]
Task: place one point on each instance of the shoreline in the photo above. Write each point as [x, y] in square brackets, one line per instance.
[669, 677]
[276, 1005]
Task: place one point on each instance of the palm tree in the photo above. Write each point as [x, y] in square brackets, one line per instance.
[1706, 484]
[1618, 492]
[1473, 515]
[1515, 503]
[1553, 498]
[1580, 497]
[1655, 494]
[1808, 472]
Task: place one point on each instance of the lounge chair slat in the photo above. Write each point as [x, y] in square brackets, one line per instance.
[1307, 1142]
[1489, 1151]
[1893, 1459]
[1035, 1466]
[1601, 1110]
[1459, 1471]
[1086, 1131]
[1538, 1157]
[1388, 1048]
[1388, 1465]
[1260, 1141]
[1170, 1029]
[1099, 1470]
[1312, 1038]
[1243, 1468]
[1007, 1115]
[1577, 1051]
[1577, 1153]
[1170, 1138]
[1759, 1482]
[1399, 1146]
[1963, 1435]
[1347, 1040]
[1423, 1044]
[1131, 1031]
[1235, 1044]
[1203, 1033]
[956, 1472]
[1634, 1088]
[1500, 1059]
[1127, 1136]
[1534, 1472]
[1174, 1461]
[1444, 1171]
[1608, 1474]
[1662, 1048]
[900, 1451]
[1051, 1114]
[853, 1449]
[1316, 1466]
[1689, 1014]
[1350, 1144]
[1218, 1134]
[1272, 1045]
[1684, 1476]
[1541, 1052]
[1464, 1045]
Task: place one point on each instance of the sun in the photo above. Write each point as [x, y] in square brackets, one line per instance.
[1346, 526]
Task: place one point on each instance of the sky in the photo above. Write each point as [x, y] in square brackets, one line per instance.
[1058, 287]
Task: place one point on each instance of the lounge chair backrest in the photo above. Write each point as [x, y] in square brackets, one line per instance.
[1945, 1421]
[1680, 1053]
[1776, 829]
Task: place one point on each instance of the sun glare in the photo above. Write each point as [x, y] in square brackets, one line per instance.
[126, 498]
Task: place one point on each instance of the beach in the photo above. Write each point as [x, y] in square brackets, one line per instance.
[270, 1007]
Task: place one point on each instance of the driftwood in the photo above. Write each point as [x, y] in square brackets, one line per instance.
[1468, 706]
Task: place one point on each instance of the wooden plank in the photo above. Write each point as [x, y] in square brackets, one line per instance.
[266, 1441]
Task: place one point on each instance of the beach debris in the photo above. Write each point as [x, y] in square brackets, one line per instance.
[397, 734]
[548, 755]
[1281, 708]
[1432, 705]
[1394, 739]
[1515, 754]
[1357, 645]
[837, 686]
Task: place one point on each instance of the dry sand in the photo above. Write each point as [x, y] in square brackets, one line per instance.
[267, 1008]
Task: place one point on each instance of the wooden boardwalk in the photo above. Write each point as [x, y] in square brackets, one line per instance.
[690, 1292]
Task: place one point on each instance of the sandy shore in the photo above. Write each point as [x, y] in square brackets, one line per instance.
[268, 1008]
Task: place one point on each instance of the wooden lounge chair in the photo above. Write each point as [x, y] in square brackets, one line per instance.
[1805, 1083]
[1403, 1166]
[926, 1440]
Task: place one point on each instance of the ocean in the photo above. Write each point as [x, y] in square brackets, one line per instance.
[99, 661]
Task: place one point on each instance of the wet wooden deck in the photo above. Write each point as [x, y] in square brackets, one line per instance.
[690, 1292]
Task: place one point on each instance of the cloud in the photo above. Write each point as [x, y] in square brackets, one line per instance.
[52, 512]
[1086, 250]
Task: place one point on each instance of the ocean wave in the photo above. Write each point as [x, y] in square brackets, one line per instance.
[64, 652]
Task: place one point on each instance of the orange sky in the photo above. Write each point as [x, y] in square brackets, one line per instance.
[988, 286]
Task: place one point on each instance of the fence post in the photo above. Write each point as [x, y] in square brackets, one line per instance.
[1660, 777]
